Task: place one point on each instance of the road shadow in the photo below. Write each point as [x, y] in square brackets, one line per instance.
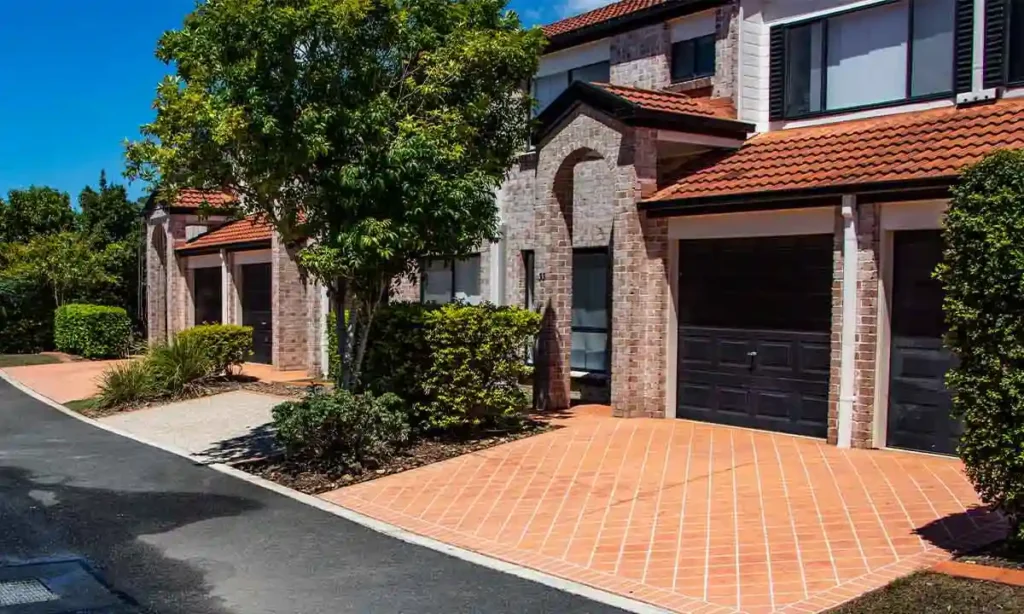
[43, 520]
[964, 531]
[259, 443]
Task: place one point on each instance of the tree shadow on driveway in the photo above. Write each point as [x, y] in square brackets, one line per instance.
[965, 531]
[260, 442]
[46, 520]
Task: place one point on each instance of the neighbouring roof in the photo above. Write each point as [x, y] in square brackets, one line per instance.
[246, 231]
[647, 108]
[189, 198]
[890, 151]
[618, 17]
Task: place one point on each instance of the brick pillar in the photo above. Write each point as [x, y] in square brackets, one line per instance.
[727, 28]
[156, 282]
[639, 288]
[316, 329]
[866, 220]
[290, 308]
[180, 298]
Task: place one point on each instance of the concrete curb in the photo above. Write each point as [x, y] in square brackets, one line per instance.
[611, 599]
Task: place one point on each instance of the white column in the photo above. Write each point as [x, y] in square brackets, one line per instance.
[848, 334]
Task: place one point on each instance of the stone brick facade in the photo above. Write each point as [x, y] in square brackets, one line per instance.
[640, 58]
[291, 298]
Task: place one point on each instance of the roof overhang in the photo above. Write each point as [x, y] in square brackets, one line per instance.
[630, 21]
[633, 114]
[241, 246]
[876, 192]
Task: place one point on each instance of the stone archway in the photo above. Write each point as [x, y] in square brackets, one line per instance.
[156, 284]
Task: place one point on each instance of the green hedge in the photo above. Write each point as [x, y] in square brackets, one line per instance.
[398, 356]
[26, 316]
[92, 331]
[982, 274]
[226, 345]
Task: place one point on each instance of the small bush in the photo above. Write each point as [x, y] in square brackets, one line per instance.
[984, 305]
[125, 384]
[92, 331]
[355, 430]
[178, 368]
[476, 364]
[398, 355]
[226, 345]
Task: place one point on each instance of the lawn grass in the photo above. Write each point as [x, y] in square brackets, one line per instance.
[24, 360]
[933, 592]
[81, 405]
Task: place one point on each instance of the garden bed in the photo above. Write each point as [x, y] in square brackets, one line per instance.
[933, 592]
[998, 554]
[312, 478]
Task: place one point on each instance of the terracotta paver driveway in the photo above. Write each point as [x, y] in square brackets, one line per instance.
[691, 517]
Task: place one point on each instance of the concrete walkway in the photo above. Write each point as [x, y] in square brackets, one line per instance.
[178, 538]
[689, 516]
[223, 428]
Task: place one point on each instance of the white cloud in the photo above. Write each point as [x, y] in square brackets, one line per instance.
[575, 7]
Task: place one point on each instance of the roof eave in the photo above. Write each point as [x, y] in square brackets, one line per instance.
[630, 21]
[878, 191]
[198, 250]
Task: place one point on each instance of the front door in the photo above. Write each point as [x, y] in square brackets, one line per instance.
[257, 310]
[919, 403]
[207, 294]
[754, 331]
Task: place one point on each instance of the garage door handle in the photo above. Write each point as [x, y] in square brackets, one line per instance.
[751, 356]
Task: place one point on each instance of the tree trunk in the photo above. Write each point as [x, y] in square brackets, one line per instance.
[341, 331]
[363, 336]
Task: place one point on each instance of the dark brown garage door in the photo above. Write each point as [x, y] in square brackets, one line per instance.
[919, 403]
[207, 295]
[754, 328]
[257, 310]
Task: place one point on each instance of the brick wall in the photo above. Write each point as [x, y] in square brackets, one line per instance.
[180, 307]
[156, 282]
[290, 307]
[866, 336]
[727, 39]
[640, 58]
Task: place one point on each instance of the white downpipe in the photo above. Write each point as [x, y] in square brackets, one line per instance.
[978, 47]
[325, 310]
[848, 336]
[225, 288]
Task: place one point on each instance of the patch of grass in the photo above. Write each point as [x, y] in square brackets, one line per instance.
[933, 592]
[82, 406]
[25, 360]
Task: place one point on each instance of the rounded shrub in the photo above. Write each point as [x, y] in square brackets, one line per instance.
[351, 429]
[227, 346]
[92, 331]
[982, 273]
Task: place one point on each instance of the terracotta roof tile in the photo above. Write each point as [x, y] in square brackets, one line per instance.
[598, 15]
[193, 199]
[672, 102]
[246, 230]
[923, 145]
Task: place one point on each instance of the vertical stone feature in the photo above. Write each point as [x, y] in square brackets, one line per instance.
[640, 287]
[156, 281]
[867, 327]
[640, 58]
[290, 308]
[727, 39]
[180, 303]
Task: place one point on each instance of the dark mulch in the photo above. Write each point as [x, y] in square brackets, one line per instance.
[313, 478]
[998, 554]
[87, 407]
[927, 592]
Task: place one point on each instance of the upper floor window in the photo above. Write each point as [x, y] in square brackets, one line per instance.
[886, 53]
[1015, 43]
[548, 87]
[446, 280]
[693, 58]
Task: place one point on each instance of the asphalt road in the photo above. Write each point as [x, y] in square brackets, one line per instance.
[180, 538]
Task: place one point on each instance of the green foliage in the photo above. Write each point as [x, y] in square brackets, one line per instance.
[66, 264]
[355, 430]
[107, 215]
[981, 274]
[177, 369]
[125, 384]
[387, 125]
[36, 211]
[477, 364]
[26, 315]
[399, 356]
[226, 345]
[92, 331]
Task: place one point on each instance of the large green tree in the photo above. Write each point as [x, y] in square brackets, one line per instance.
[34, 211]
[106, 214]
[376, 130]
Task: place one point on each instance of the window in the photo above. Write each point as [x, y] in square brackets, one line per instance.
[549, 87]
[590, 313]
[193, 230]
[693, 58]
[529, 295]
[1015, 42]
[882, 54]
[446, 280]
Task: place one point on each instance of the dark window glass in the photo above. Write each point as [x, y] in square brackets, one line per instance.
[529, 297]
[693, 58]
[207, 294]
[592, 73]
[590, 310]
[1015, 42]
[803, 69]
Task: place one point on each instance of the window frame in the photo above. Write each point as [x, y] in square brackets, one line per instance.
[823, 20]
[1008, 48]
[695, 75]
[607, 330]
[450, 261]
[568, 81]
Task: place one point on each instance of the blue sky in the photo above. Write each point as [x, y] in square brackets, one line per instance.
[77, 77]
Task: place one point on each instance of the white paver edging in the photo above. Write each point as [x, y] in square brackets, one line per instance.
[575, 588]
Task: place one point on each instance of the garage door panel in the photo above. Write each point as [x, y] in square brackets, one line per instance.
[754, 335]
